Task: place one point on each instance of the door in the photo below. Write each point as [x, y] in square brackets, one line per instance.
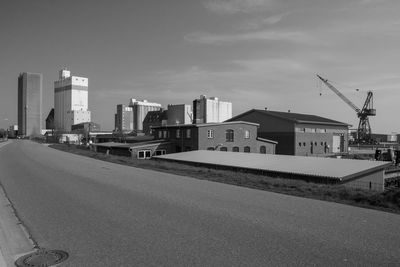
[336, 144]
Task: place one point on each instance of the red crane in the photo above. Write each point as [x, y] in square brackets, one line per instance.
[364, 128]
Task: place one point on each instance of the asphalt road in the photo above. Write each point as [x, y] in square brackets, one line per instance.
[106, 214]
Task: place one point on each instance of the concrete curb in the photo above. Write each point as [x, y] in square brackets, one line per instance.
[14, 239]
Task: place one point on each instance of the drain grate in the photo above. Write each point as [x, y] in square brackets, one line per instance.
[42, 258]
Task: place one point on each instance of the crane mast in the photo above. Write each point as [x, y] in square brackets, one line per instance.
[364, 127]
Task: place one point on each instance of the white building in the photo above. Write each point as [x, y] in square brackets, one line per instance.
[70, 101]
[140, 110]
[206, 110]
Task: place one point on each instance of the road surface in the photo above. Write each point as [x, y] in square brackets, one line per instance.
[106, 214]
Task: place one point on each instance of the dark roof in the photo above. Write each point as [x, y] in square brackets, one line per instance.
[197, 125]
[293, 117]
[155, 116]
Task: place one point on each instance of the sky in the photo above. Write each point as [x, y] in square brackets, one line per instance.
[254, 53]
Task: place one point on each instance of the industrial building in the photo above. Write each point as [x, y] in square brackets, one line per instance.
[179, 114]
[174, 115]
[230, 136]
[86, 127]
[153, 119]
[70, 101]
[30, 104]
[299, 134]
[207, 110]
[237, 136]
[124, 119]
[385, 138]
[140, 110]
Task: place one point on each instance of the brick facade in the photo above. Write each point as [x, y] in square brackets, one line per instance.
[299, 134]
[232, 136]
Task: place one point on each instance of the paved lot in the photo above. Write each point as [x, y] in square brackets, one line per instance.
[105, 214]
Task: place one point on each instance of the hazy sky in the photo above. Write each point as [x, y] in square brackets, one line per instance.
[253, 53]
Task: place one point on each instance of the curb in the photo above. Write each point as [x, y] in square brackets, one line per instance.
[14, 237]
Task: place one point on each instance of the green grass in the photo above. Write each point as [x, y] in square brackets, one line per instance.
[386, 201]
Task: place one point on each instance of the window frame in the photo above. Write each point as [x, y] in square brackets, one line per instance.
[210, 133]
[146, 154]
[246, 134]
[160, 152]
[229, 135]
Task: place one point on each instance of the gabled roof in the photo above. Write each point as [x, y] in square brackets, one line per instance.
[293, 117]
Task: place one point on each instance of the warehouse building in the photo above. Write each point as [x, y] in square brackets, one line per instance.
[363, 174]
[299, 134]
[237, 136]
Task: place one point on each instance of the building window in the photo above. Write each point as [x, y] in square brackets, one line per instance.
[304, 143]
[188, 133]
[224, 148]
[165, 134]
[210, 148]
[210, 134]
[235, 149]
[159, 134]
[299, 143]
[246, 149]
[178, 133]
[263, 150]
[246, 134]
[144, 154]
[160, 152]
[229, 135]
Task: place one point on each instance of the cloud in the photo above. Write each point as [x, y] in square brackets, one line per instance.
[261, 22]
[267, 35]
[237, 6]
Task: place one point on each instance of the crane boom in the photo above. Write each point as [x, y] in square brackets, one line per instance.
[336, 91]
[364, 128]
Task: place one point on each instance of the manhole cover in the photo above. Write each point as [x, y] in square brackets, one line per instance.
[42, 258]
